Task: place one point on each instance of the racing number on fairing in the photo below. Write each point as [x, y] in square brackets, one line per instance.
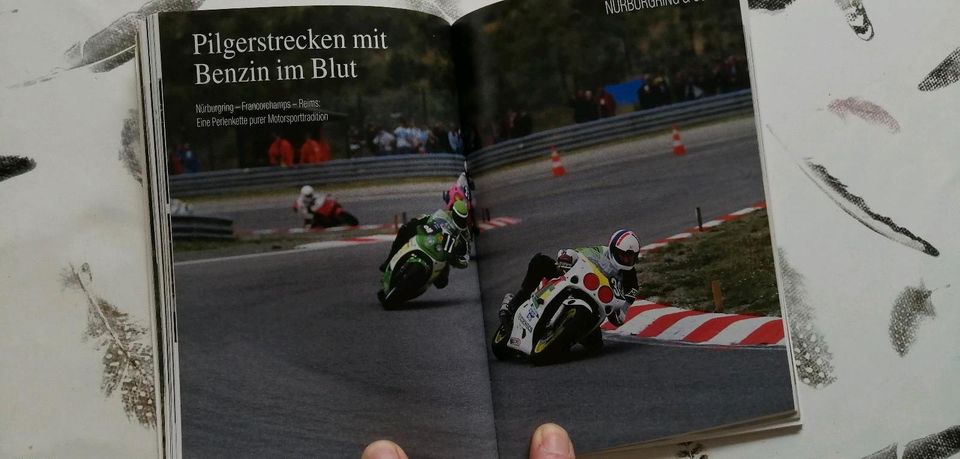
[449, 242]
[615, 285]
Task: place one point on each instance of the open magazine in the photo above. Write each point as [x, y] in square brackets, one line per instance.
[387, 226]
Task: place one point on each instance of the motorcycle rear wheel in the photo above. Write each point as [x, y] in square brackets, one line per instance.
[348, 219]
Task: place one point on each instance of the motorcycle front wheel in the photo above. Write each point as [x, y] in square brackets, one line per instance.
[555, 343]
[404, 286]
[499, 345]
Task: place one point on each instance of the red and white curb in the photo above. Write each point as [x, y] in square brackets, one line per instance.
[665, 323]
[492, 224]
[650, 320]
[706, 226]
[498, 222]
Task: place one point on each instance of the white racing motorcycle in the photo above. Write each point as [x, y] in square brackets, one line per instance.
[565, 310]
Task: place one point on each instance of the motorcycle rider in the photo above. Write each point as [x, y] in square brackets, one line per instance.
[454, 221]
[460, 190]
[616, 260]
[311, 205]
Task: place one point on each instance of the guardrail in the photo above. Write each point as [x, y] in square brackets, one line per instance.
[450, 165]
[610, 129]
[201, 227]
[335, 171]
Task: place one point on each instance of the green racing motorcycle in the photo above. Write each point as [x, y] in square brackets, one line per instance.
[422, 261]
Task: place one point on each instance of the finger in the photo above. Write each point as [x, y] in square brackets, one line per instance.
[383, 449]
[550, 441]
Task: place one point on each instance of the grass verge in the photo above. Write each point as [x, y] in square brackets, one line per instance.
[737, 253]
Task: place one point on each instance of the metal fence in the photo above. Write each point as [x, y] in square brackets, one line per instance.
[336, 171]
[185, 227]
[610, 129]
[450, 165]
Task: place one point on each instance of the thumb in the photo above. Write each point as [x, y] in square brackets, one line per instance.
[383, 449]
[550, 441]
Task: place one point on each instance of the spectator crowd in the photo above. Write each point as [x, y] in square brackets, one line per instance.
[405, 138]
[654, 90]
[659, 89]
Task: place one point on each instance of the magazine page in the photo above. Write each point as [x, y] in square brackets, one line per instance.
[78, 373]
[322, 228]
[623, 141]
[864, 173]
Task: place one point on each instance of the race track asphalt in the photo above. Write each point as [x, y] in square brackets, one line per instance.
[634, 391]
[290, 355]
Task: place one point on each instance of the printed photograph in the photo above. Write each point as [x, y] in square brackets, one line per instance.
[388, 227]
[638, 299]
[326, 291]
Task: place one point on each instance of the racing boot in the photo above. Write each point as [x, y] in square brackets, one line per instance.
[504, 312]
[443, 279]
[857, 18]
[510, 303]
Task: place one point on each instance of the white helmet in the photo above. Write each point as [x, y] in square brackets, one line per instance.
[624, 249]
[307, 190]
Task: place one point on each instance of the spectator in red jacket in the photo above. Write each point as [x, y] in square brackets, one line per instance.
[324, 150]
[280, 152]
[606, 104]
[314, 151]
[310, 150]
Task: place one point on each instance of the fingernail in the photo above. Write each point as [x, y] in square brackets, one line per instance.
[554, 440]
[382, 450]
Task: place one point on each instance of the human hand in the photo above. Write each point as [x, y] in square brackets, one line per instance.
[383, 449]
[549, 441]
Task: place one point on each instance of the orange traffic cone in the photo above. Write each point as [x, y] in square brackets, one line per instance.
[678, 148]
[558, 169]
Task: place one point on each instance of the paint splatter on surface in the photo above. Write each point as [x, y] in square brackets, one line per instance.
[129, 145]
[909, 309]
[944, 74]
[770, 5]
[940, 445]
[857, 207]
[812, 356]
[114, 44]
[127, 360]
[118, 38]
[12, 166]
[890, 452]
[869, 111]
[857, 18]
[853, 12]
[689, 450]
